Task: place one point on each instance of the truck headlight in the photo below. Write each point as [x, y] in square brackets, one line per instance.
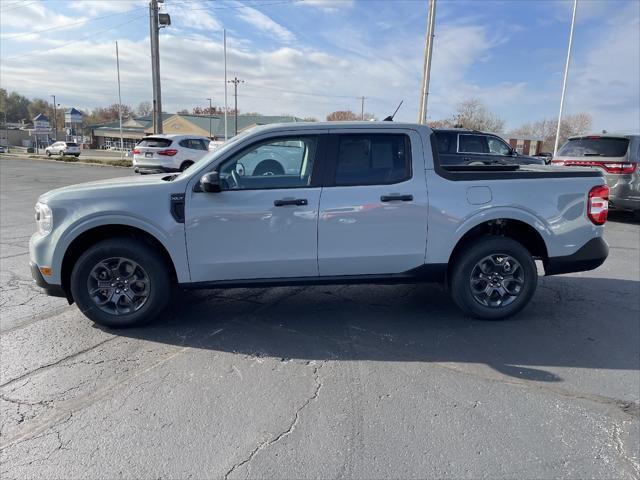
[44, 218]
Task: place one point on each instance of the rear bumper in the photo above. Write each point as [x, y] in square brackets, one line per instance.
[49, 289]
[588, 257]
[149, 169]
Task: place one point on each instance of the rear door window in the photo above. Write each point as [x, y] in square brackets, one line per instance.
[595, 147]
[472, 144]
[152, 142]
[373, 159]
[443, 141]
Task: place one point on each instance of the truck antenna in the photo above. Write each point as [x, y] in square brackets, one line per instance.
[390, 117]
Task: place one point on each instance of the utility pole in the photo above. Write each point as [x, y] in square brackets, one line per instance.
[362, 99]
[154, 29]
[119, 102]
[55, 120]
[235, 82]
[224, 41]
[426, 69]
[566, 75]
[210, 110]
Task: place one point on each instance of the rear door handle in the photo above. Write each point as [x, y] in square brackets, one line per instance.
[295, 201]
[393, 198]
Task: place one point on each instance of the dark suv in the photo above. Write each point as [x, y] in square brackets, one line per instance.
[471, 147]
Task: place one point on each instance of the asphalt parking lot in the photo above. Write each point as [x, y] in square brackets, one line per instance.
[317, 382]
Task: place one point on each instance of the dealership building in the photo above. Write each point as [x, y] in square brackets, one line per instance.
[107, 135]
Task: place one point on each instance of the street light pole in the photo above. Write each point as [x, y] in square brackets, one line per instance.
[119, 102]
[566, 76]
[210, 110]
[224, 47]
[235, 82]
[426, 70]
[55, 120]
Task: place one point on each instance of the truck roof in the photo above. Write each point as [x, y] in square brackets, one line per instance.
[338, 125]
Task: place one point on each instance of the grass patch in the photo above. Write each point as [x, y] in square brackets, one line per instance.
[112, 163]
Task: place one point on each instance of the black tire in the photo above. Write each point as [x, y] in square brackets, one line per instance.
[77, 155]
[186, 164]
[268, 167]
[48, 152]
[153, 265]
[468, 264]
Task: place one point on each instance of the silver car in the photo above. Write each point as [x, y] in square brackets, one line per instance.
[63, 148]
[617, 155]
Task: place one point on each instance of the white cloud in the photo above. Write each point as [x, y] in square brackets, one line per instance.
[265, 24]
[327, 5]
[93, 8]
[194, 16]
[605, 80]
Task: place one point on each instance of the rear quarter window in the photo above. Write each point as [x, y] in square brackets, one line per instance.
[595, 147]
[155, 142]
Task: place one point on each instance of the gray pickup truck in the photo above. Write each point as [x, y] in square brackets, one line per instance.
[354, 203]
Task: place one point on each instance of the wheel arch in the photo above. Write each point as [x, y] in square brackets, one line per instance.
[518, 230]
[97, 233]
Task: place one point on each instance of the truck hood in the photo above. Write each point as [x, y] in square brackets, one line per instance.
[105, 188]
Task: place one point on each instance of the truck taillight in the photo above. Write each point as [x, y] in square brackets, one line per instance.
[170, 152]
[598, 205]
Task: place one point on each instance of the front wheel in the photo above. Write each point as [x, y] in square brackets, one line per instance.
[494, 278]
[48, 152]
[120, 283]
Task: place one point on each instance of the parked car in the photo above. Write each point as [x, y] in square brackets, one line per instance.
[168, 153]
[470, 147]
[369, 202]
[618, 156]
[546, 156]
[3, 149]
[63, 148]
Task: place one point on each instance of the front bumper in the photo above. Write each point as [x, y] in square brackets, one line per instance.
[588, 257]
[49, 289]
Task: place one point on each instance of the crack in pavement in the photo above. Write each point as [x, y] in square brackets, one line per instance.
[56, 363]
[296, 418]
[618, 443]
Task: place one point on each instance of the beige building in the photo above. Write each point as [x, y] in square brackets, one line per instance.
[134, 129]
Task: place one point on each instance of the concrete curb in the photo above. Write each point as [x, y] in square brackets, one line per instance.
[12, 156]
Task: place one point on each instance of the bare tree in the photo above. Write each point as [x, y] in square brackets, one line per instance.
[472, 113]
[342, 116]
[144, 109]
[310, 119]
[575, 124]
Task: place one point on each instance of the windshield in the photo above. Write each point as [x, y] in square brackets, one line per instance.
[72, 144]
[595, 147]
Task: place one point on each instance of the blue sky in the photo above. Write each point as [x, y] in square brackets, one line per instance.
[310, 57]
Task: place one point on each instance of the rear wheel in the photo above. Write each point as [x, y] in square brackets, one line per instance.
[186, 164]
[120, 283]
[493, 278]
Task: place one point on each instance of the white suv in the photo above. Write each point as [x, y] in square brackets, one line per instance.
[63, 148]
[168, 153]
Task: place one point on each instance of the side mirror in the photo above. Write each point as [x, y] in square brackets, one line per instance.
[514, 153]
[240, 169]
[210, 182]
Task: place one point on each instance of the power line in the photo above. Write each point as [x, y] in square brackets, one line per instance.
[15, 7]
[39, 52]
[60, 27]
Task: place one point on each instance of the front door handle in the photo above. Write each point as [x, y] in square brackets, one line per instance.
[393, 198]
[295, 201]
